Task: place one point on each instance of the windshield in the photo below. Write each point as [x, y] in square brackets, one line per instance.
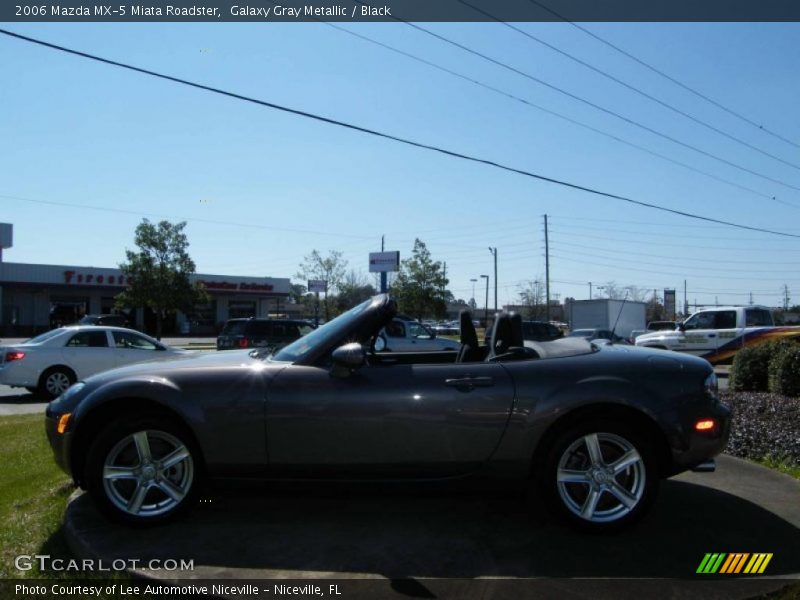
[43, 337]
[327, 333]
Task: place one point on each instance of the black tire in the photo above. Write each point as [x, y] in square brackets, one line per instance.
[55, 381]
[118, 446]
[589, 497]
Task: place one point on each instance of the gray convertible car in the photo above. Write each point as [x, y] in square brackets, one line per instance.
[592, 428]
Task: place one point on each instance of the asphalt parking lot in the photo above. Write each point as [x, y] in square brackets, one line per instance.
[444, 543]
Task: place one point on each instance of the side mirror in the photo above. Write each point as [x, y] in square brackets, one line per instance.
[348, 358]
[681, 327]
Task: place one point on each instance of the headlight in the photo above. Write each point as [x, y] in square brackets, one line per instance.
[711, 386]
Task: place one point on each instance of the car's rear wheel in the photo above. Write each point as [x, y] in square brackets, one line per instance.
[600, 476]
[143, 471]
[55, 381]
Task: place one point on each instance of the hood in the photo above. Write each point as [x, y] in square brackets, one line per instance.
[660, 334]
[184, 362]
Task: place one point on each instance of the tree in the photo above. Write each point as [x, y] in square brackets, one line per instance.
[420, 287]
[531, 296]
[158, 274]
[614, 291]
[331, 269]
[353, 290]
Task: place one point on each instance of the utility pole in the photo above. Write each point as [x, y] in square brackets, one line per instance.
[486, 306]
[473, 290]
[383, 273]
[547, 271]
[751, 298]
[445, 276]
[785, 297]
[590, 290]
[685, 300]
[494, 253]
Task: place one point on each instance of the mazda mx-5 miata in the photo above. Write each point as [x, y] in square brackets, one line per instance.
[592, 428]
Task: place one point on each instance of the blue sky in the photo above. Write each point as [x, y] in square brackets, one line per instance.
[261, 188]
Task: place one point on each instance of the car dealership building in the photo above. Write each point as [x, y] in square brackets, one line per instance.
[36, 298]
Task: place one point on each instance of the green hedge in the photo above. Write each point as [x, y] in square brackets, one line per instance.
[755, 367]
[784, 370]
[749, 372]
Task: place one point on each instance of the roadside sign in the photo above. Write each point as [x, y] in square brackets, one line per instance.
[317, 285]
[381, 262]
[669, 304]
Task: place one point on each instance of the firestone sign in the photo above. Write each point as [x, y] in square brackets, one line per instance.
[77, 278]
[87, 278]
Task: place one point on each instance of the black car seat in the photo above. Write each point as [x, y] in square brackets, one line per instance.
[500, 340]
[507, 339]
[470, 350]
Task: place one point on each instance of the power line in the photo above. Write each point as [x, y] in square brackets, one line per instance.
[190, 219]
[677, 82]
[553, 113]
[560, 243]
[706, 275]
[594, 105]
[394, 138]
[628, 86]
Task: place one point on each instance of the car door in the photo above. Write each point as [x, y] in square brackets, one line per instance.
[701, 332]
[131, 348]
[89, 352]
[387, 420]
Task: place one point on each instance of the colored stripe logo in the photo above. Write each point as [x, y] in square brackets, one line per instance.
[734, 563]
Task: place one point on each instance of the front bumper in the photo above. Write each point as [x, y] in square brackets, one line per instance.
[60, 443]
[691, 448]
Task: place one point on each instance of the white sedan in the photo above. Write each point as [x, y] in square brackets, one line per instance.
[53, 361]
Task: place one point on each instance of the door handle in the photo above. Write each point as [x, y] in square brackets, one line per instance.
[469, 383]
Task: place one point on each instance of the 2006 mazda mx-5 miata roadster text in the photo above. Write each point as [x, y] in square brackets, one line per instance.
[592, 427]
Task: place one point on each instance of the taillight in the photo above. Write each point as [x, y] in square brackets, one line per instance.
[10, 356]
[243, 343]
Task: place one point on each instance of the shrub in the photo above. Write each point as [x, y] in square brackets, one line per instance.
[750, 371]
[784, 370]
[750, 368]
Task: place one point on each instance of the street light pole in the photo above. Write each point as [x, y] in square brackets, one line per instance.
[494, 253]
[590, 290]
[486, 305]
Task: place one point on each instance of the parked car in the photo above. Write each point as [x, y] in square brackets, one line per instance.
[634, 334]
[402, 335]
[49, 363]
[447, 328]
[718, 333]
[540, 331]
[598, 334]
[110, 320]
[593, 428]
[261, 333]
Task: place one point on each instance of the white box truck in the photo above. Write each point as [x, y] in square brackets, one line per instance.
[603, 313]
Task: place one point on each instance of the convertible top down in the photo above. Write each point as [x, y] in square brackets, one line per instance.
[592, 428]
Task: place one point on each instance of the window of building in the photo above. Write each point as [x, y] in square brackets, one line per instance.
[241, 309]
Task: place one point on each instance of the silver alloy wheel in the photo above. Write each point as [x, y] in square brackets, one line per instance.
[148, 473]
[601, 477]
[57, 382]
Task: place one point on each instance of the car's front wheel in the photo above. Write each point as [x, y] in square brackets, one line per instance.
[600, 476]
[143, 471]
